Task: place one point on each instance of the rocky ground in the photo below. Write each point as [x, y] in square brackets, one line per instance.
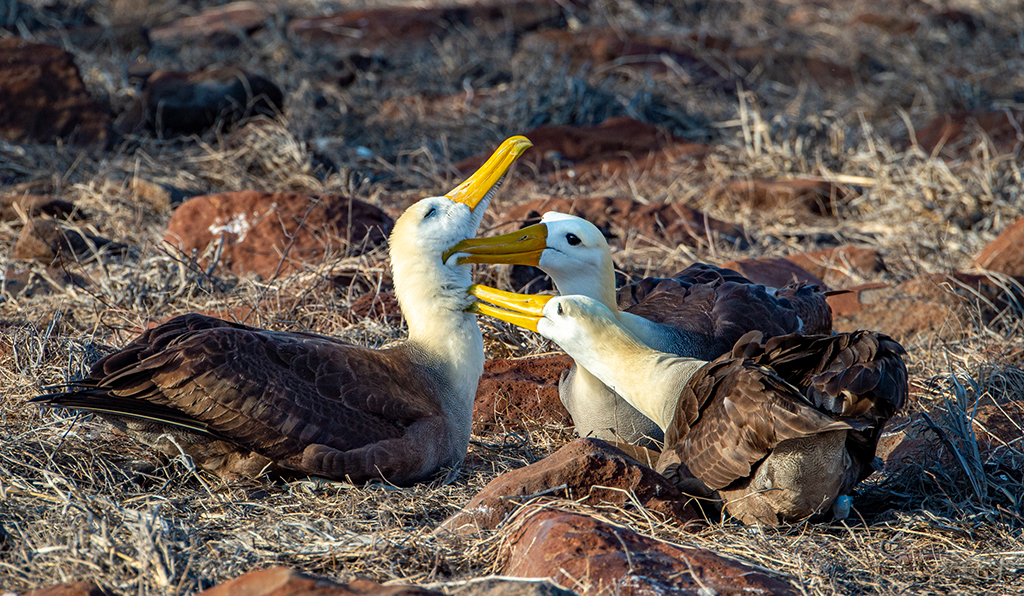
[247, 160]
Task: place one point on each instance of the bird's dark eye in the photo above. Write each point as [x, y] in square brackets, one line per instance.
[432, 211]
[572, 239]
[560, 305]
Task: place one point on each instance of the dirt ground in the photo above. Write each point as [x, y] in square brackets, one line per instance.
[78, 501]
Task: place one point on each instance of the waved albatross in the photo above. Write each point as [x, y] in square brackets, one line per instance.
[778, 430]
[239, 399]
[699, 312]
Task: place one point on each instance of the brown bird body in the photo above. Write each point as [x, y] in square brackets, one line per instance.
[777, 430]
[239, 400]
[781, 428]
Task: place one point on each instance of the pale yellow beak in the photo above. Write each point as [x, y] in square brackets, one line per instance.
[523, 247]
[524, 310]
[476, 187]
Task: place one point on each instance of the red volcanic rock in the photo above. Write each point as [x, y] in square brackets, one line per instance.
[819, 197]
[591, 557]
[514, 392]
[588, 469]
[43, 98]
[282, 581]
[618, 219]
[33, 205]
[952, 134]
[598, 47]
[192, 102]
[223, 26]
[583, 153]
[998, 427]
[267, 233]
[72, 589]
[907, 312]
[907, 441]
[399, 27]
[47, 241]
[1005, 254]
[773, 272]
[835, 265]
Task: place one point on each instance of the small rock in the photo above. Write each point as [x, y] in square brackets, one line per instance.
[84, 588]
[953, 134]
[220, 27]
[588, 469]
[192, 102]
[618, 219]
[47, 241]
[34, 205]
[818, 197]
[588, 153]
[282, 581]
[1005, 254]
[907, 441]
[840, 266]
[594, 557]
[401, 27]
[773, 272]
[44, 97]
[262, 231]
[517, 392]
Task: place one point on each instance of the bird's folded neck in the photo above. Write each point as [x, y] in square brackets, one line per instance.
[649, 380]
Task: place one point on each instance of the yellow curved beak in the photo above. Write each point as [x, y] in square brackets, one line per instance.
[524, 310]
[488, 176]
[523, 247]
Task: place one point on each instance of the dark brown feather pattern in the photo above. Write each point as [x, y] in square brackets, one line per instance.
[310, 403]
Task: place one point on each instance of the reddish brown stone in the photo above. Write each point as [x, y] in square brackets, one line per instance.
[896, 312]
[84, 588]
[834, 266]
[520, 392]
[282, 581]
[819, 197]
[909, 441]
[1001, 425]
[952, 134]
[591, 557]
[270, 234]
[790, 68]
[399, 27]
[47, 241]
[598, 47]
[773, 272]
[1005, 254]
[223, 26]
[891, 24]
[192, 102]
[619, 219]
[585, 153]
[43, 98]
[33, 205]
[586, 468]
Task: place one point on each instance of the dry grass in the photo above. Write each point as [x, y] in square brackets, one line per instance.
[77, 501]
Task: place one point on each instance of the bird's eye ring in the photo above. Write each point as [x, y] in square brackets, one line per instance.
[572, 239]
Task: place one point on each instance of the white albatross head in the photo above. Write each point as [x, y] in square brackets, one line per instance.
[568, 248]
